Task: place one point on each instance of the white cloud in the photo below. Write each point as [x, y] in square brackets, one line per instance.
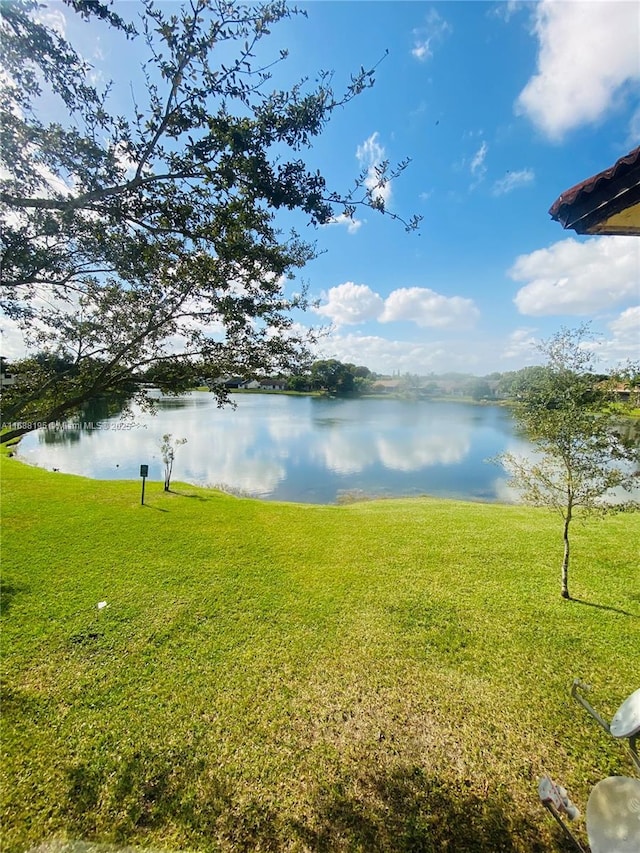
[627, 325]
[351, 303]
[512, 181]
[478, 352]
[588, 54]
[371, 155]
[421, 49]
[434, 30]
[127, 163]
[521, 344]
[350, 452]
[477, 164]
[422, 357]
[505, 9]
[624, 342]
[386, 356]
[478, 168]
[12, 343]
[577, 278]
[427, 308]
[53, 18]
[344, 452]
[21, 338]
[53, 184]
[350, 222]
[634, 129]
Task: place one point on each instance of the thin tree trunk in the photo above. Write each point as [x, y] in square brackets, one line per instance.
[565, 560]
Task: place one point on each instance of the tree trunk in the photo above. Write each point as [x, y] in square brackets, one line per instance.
[18, 432]
[565, 560]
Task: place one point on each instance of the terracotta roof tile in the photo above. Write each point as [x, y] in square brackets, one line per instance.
[597, 186]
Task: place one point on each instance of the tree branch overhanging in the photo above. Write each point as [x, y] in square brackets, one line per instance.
[178, 201]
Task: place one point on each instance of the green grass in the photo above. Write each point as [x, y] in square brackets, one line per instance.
[384, 676]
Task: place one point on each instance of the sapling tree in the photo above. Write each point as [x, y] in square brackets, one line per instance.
[168, 453]
[582, 460]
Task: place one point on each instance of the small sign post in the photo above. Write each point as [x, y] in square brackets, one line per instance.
[144, 473]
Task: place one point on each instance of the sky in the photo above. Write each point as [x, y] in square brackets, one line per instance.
[500, 106]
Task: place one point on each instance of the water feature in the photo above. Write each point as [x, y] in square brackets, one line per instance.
[308, 449]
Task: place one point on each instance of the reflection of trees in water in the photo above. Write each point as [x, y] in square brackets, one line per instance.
[180, 402]
[102, 409]
[60, 435]
[93, 412]
[629, 430]
[295, 448]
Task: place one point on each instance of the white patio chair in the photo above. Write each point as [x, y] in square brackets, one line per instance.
[612, 817]
[625, 723]
[556, 801]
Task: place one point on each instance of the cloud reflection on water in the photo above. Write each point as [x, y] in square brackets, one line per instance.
[298, 448]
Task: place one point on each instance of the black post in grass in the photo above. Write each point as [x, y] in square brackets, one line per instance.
[144, 473]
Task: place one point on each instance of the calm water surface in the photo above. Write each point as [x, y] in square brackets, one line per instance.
[297, 448]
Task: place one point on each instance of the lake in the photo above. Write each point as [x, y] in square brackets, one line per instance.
[308, 449]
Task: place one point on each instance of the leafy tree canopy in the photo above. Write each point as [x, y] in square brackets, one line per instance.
[131, 240]
[333, 376]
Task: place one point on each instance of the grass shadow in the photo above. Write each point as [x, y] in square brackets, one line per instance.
[605, 607]
[8, 592]
[201, 498]
[144, 791]
[18, 704]
[407, 811]
[404, 810]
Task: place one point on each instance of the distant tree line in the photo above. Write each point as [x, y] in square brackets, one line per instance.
[327, 376]
[346, 379]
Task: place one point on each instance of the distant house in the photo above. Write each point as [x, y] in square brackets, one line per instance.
[229, 382]
[7, 378]
[387, 386]
[626, 394]
[251, 384]
[272, 383]
[234, 382]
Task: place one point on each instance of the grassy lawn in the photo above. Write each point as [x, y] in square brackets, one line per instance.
[384, 676]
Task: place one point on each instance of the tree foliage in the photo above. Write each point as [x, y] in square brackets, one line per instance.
[133, 240]
[479, 389]
[582, 455]
[333, 377]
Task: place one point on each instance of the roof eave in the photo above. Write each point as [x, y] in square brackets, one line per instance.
[587, 207]
[591, 215]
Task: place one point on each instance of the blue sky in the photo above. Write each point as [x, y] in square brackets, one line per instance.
[501, 107]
